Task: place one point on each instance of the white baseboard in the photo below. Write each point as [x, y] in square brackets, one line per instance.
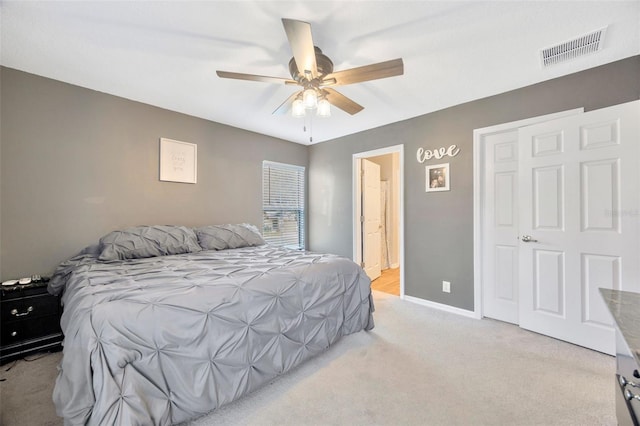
[394, 265]
[440, 306]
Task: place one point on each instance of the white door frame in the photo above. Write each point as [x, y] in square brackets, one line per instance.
[478, 195]
[356, 193]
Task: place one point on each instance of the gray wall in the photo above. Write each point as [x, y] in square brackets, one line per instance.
[439, 226]
[76, 164]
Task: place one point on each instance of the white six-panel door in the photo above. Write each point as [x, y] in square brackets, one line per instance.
[500, 215]
[579, 208]
[500, 243]
[371, 250]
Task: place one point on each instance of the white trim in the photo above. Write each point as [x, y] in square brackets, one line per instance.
[441, 306]
[357, 206]
[478, 169]
[357, 252]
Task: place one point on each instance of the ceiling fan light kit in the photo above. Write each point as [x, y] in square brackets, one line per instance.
[310, 98]
[297, 108]
[313, 70]
[324, 108]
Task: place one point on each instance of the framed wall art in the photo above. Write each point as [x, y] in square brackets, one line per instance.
[178, 161]
[438, 178]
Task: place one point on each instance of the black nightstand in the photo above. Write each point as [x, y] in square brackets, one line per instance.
[30, 320]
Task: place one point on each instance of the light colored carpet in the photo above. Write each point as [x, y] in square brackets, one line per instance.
[25, 395]
[419, 366]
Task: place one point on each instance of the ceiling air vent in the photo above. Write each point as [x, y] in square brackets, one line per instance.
[572, 49]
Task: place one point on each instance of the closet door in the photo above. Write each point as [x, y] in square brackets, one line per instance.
[500, 245]
[500, 215]
[579, 212]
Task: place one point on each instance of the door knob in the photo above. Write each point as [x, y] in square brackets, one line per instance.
[528, 239]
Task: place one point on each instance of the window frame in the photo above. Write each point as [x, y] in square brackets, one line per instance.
[280, 211]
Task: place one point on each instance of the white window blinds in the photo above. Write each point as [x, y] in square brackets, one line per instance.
[283, 204]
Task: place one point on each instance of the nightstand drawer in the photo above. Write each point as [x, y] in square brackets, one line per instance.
[28, 307]
[17, 331]
[30, 320]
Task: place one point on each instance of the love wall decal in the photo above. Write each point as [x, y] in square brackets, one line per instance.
[427, 154]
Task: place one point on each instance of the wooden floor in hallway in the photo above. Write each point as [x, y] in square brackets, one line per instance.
[388, 282]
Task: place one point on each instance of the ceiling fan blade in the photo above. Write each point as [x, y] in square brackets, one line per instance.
[341, 101]
[286, 105]
[366, 73]
[301, 42]
[253, 77]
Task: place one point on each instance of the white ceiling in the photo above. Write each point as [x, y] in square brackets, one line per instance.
[166, 53]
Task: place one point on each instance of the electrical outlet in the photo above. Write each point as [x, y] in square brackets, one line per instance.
[446, 286]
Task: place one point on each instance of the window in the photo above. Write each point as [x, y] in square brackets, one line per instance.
[283, 204]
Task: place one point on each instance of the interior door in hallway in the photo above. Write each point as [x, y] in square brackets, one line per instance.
[579, 204]
[371, 226]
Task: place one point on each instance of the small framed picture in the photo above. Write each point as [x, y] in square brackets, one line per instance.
[178, 161]
[438, 178]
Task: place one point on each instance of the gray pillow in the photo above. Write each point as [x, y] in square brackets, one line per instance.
[220, 237]
[148, 241]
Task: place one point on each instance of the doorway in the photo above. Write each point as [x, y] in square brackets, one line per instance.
[378, 217]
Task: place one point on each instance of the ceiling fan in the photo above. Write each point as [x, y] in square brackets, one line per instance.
[313, 70]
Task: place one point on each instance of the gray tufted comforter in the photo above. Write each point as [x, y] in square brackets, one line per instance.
[166, 339]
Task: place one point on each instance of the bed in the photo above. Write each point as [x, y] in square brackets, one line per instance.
[164, 324]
